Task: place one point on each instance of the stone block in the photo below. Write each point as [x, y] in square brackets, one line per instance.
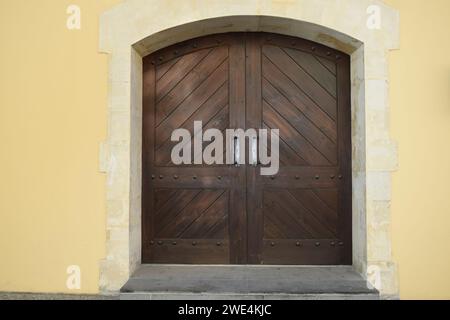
[382, 156]
[378, 186]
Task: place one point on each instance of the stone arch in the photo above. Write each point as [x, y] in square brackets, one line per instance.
[136, 28]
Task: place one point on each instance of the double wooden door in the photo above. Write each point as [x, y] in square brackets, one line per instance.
[228, 214]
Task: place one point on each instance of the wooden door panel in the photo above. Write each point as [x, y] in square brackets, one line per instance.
[192, 213]
[302, 214]
[295, 139]
[292, 210]
[172, 72]
[211, 94]
[274, 100]
[299, 77]
[317, 71]
[232, 214]
[212, 67]
[299, 99]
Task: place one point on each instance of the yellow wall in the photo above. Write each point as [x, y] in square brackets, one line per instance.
[420, 122]
[53, 86]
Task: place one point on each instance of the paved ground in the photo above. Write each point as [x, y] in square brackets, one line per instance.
[52, 296]
[185, 296]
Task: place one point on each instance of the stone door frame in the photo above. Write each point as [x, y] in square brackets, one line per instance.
[136, 28]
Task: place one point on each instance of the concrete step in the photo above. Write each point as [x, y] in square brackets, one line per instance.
[200, 282]
[234, 296]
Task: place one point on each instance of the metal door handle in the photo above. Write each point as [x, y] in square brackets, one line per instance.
[254, 156]
[237, 151]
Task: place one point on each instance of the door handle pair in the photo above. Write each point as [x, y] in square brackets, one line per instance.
[253, 151]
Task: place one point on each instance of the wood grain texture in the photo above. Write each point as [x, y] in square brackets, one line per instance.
[233, 215]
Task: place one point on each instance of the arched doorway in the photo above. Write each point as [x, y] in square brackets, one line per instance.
[130, 31]
[232, 214]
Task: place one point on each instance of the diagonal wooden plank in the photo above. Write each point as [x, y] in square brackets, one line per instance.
[219, 230]
[302, 80]
[288, 156]
[220, 120]
[171, 209]
[185, 87]
[298, 120]
[203, 223]
[206, 113]
[288, 220]
[309, 217]
[328, 196]
[315, 69]
[324, 203]
[271, 230]
[292, 137]
[162, 196]
[178, 71]
[194, 101]
[289, 90]
[188, 214]
[209, 95]
[330, 65]
[316, 206]
[162, 69]
[297, 209]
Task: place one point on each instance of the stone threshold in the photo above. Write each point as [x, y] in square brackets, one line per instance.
[206, 282]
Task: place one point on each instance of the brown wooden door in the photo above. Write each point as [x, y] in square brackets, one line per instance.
[302, 215]
[193, 213]
[226, 214]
